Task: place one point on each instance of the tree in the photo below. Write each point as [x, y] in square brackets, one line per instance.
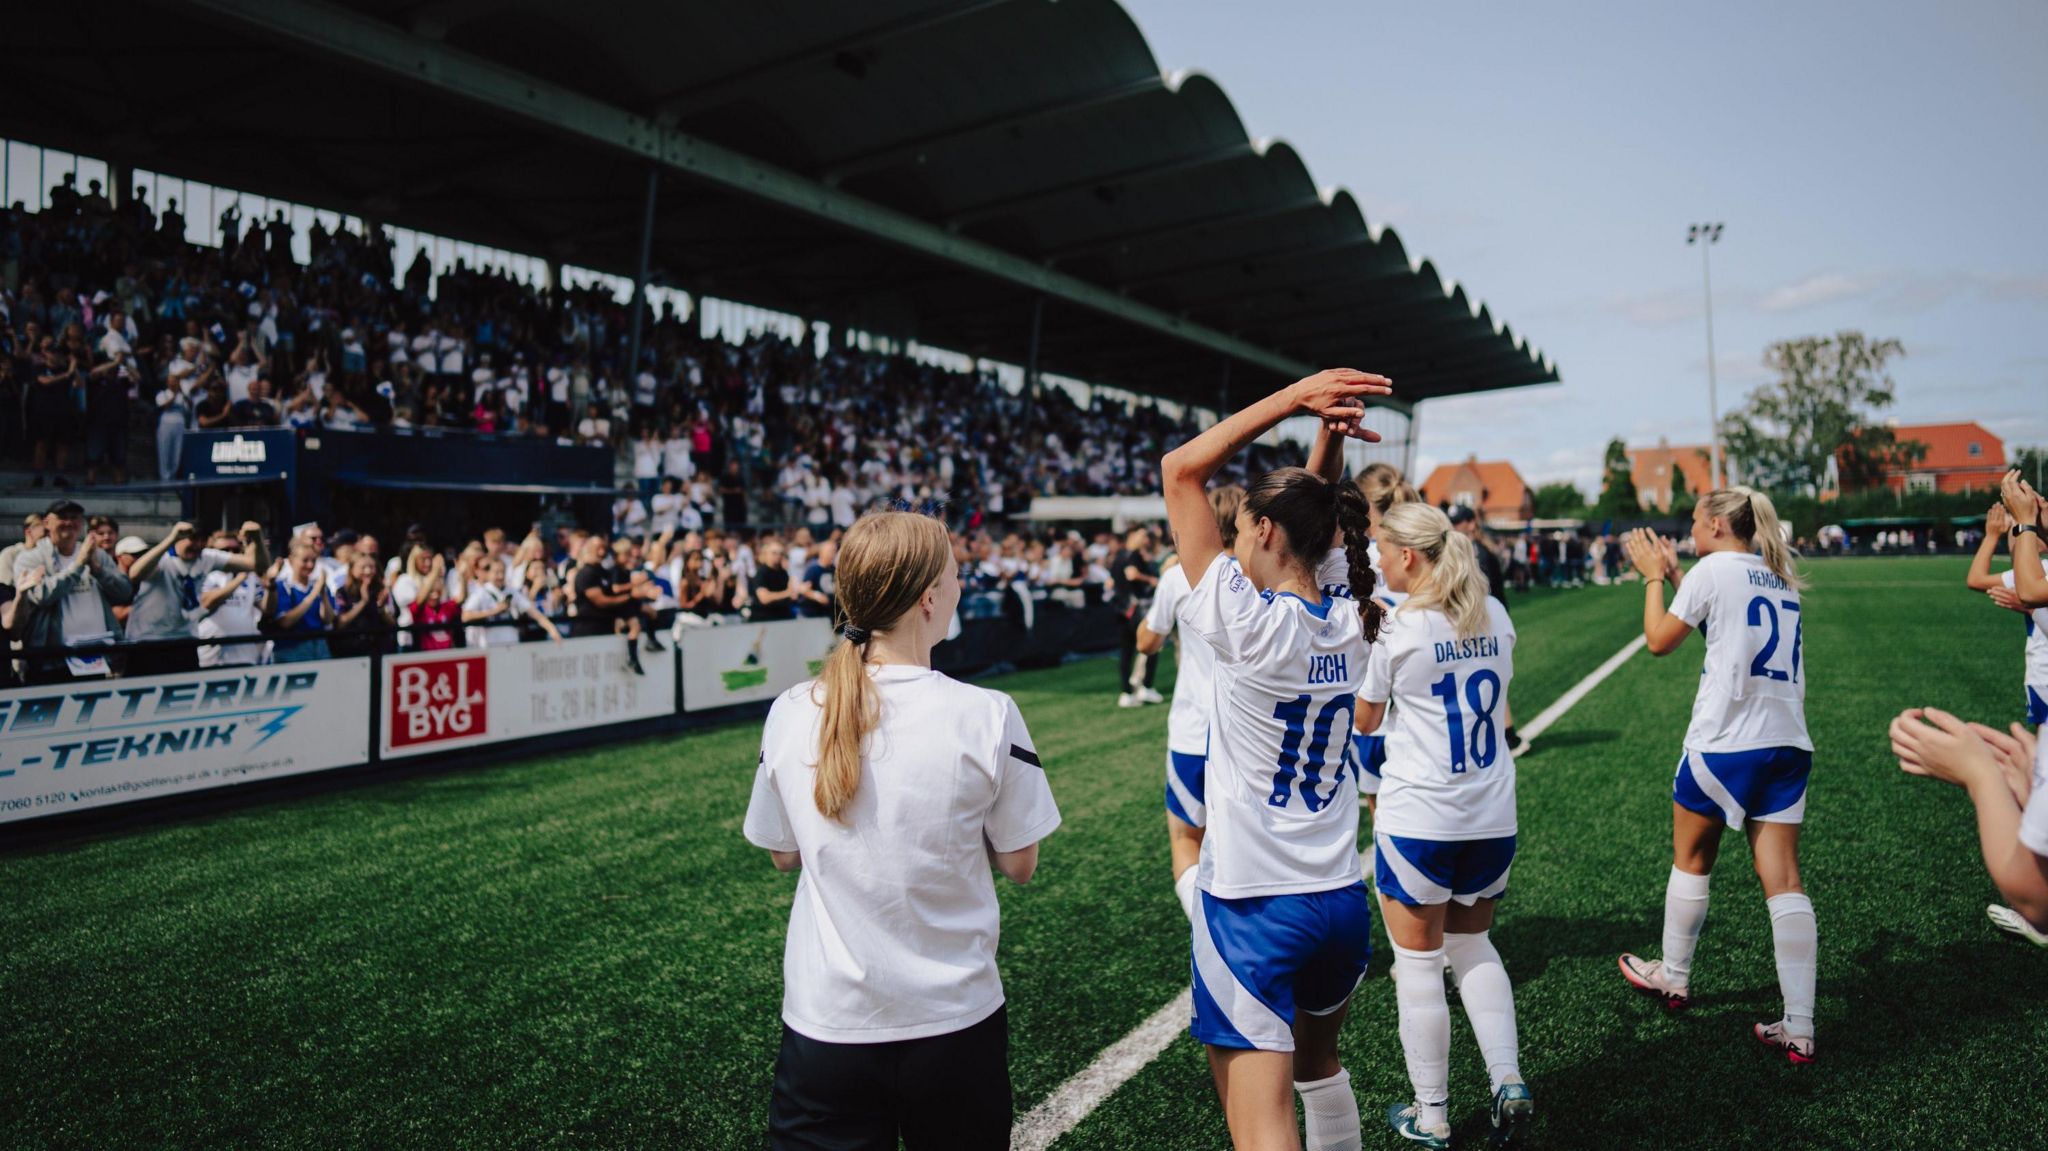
[1559, 501]
[2032, 463]
[1618, 499]
[1682, 500]
[1822, 410]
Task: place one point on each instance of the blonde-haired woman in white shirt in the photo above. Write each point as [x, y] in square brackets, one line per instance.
[892, 788]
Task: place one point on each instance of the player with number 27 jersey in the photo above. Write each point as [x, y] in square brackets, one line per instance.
[1747, 753]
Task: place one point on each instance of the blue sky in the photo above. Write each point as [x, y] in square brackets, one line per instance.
[1879, 165]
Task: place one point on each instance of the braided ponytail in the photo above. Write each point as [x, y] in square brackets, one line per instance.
[1354, 520]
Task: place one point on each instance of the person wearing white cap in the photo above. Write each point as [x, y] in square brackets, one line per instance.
[167, 580]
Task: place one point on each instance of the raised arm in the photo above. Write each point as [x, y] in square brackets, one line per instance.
[2029, 581]
[1326, 455]
[1996, 524]
[1335, 395]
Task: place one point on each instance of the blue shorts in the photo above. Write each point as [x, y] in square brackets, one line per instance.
[2037, 705]
[1766, 784]
[1370, 753]
[1184, 787]
[1257, 960]
[1422, 872]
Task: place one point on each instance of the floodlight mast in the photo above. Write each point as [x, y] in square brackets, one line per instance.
[1706, 236]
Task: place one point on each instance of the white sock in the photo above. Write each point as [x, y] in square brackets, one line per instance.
[1797, 940]
[1329, 1110]
[1184, 890]
[1685, 912]
[1489, 1003]
[1425, 1030]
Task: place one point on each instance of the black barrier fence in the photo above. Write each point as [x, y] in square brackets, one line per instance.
[70, 750]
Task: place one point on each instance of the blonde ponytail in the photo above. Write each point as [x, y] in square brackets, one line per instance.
[886, 564]
[1754, 520]
[852, 707]
[1453, 585]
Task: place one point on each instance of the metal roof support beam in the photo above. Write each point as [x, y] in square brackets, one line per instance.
[340, 33]
[1252, 259]
[640, 275]
[1152, 170]
[910, 151]
[1231, 218]
[676, 105]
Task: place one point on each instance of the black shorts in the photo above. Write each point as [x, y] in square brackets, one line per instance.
[946, 1092]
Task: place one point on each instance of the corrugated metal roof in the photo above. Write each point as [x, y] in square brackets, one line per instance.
[1042, 129]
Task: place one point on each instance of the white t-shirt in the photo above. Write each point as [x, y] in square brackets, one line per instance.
[893, 932]
[2037, 638]
[646, 460]
[1281, 819]
[2034, 820]
[1187, 724]
[843, 500]
[236, 615]
[675, 458]
[1753, 687]
[1448, 774]
[84, 619]
[485, 597]
[667, 507]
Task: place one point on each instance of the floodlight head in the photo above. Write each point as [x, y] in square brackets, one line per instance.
[1692, 233]
[1716, 237]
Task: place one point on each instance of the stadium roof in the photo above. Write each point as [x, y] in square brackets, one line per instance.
[927, 169]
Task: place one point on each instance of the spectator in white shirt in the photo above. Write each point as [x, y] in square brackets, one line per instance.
[647, 453]
[667, 507]
[675, 455]
[493, 610]
[231, 603]
[595, 429]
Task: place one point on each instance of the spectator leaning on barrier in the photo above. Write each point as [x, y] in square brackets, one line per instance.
[599, 604]
[231, 604]
[167, 581]
[67, 587]
[493, 610]
[298, 604]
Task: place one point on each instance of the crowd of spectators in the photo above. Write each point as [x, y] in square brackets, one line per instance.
[114, 329]
[80, 600]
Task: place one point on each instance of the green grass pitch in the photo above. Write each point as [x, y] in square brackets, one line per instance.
[581, 951]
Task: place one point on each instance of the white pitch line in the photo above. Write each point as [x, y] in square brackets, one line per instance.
[1062, 1110]
[1072, 1102]
[1555, 711]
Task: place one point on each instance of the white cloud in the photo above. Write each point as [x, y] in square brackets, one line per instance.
[1814, 291]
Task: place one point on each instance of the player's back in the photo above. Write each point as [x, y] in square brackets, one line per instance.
[1752, 691]
[1282, 818]
[1448, 773]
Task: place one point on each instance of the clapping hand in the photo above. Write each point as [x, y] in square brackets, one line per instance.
[1935, 744]
[1997, 521]
[1654, 558]
[2014, 750]
[2008, 599]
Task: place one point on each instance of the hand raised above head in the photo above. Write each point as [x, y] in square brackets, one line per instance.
[1337, 396]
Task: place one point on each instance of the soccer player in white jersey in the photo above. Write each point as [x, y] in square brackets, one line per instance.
[1445, 825]
[1283, 931]
[1384, 489]
[2003, 588]
[892, 788]
[1746, 754]
[1187, 724]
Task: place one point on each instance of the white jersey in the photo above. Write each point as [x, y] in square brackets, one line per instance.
[2037, 637]
[1187, 724]
[1448, 773]
[893, 932]
[1753, 686]
[2034, 820]
[1282, 819]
